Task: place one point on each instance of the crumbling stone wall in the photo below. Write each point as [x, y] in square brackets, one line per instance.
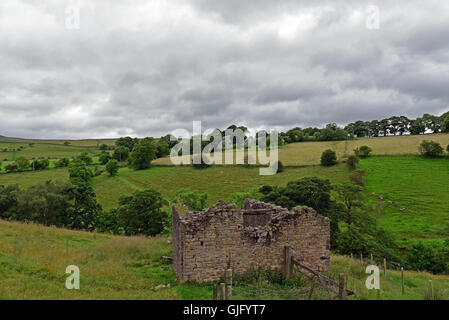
[206, 243]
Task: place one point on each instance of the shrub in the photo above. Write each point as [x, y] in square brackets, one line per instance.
[142, 213]
[112, 167]
[84, 157]
[22, 164]
[40, 164]
[194, 200]
[352, 161]
[121, 153]
[357, 177]
[8, 200]
[363, 151]
[430, 149]
[11, 168]
[61, 163]
[107, 221]
[328, 158]
[143, 153]
[425, 257]
[239, 197]
[104, 157]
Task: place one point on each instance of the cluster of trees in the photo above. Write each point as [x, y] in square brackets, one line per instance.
[399, 125]
[73, 205]
[330, 133]
[352, 229]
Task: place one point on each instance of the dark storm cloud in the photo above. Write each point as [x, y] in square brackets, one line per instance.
[146, 68]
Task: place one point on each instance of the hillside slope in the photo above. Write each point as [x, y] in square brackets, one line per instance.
[33, 260]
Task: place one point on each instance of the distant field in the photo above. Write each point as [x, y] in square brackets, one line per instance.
[33, 260]
[418, 186]
[41, 150]
[218, 182]
[309, 153]
[75, 143]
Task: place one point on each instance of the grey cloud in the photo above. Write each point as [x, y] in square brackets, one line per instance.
[146, 68]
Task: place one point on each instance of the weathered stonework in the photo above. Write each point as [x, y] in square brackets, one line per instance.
[205, 243]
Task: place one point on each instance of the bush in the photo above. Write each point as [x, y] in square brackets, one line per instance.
[112, 167]
[194, 200]
[107, 221]
[8, 200]
[239, 197]
[62, 163]
[104, 157]
[11, 168]
[40, 164]
[357, 177]
[430, 149]
[430, 258]
[143, 153]
[84, 157]
[121, 153]
[142, 213]
[22, 164]
[328, 158]
[352, 161]
[363, 151]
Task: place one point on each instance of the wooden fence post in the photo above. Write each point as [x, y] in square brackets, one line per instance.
[385, 269]
[342, 287]
[372, 260]
[222, 291]
[288, 262]
[215, 292]
[402, 280]
[229, 284]
[431, 296]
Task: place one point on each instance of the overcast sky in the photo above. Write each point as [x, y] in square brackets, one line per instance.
[145, 68]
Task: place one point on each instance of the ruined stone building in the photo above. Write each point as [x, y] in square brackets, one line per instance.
[205, 243]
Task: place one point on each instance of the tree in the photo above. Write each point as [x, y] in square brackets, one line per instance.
[384, 125]
[121, 153]
[374, 128]
[22, 164]
[431, 122]
[312, 192]
[142, 213]
[63, 162]
[194, 200]
[11, 167]
[84, 157]
[85, 209]
[40, 164]
[143, 153]
[112, 167]
[351, 196]
[430, 149]
[127, 142]
[417, 127]
[163, 148]
[104, 157]
[328, 158]
[352, 161]
[363, 151]
[445, 125]
[8, 200]
[49, 204]
[79, 170]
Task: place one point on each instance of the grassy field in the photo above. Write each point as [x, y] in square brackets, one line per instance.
[415, 194]
[33, 260]
[309, 153]
[75, 143]
[218, 182]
